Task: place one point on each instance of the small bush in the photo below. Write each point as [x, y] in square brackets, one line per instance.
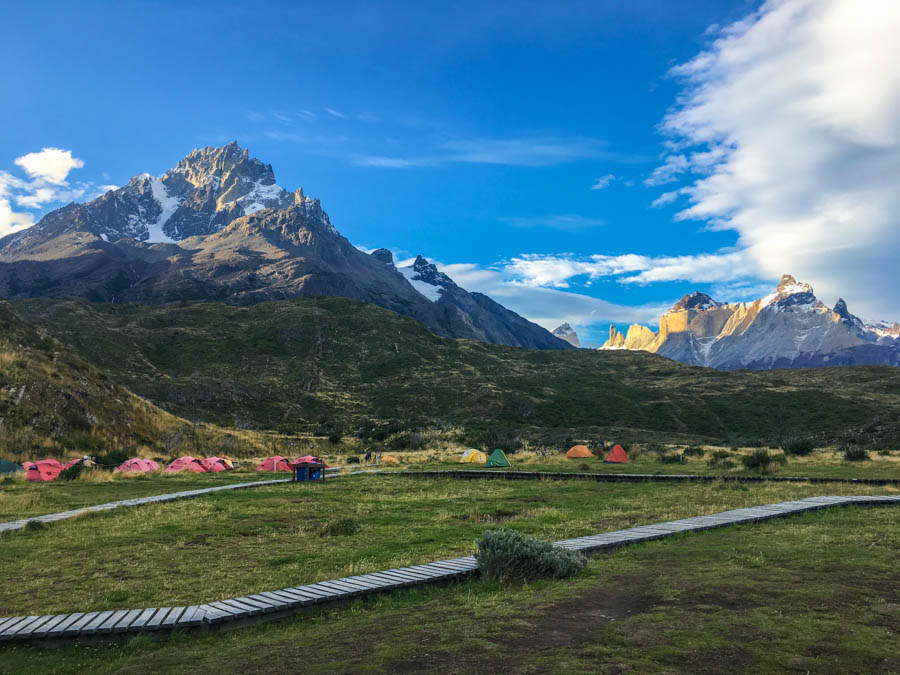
[335, 437]
[352, 460]
[693, 451]
[342, 527]
[73, 472]
[854, 453]
[507, 555]
[758, 460]
[798, 446]
[34, 526]
[671, 458]
[721, 459]
[584, 466]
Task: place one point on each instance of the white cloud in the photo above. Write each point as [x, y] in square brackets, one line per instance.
[335, 113]
[559, 271]
[790, 124]
[603, 182]
[50, 164]
[48, 170]
[672, 167]
[548, 307]
[567, 221]
[11, 221]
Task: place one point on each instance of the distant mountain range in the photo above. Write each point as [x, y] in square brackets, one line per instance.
[789, 328]
[218, 227]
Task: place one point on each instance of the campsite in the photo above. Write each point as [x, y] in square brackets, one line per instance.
[492, 336]
[246, 541]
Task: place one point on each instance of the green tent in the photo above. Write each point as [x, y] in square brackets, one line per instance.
[497, 458]
[9, 467]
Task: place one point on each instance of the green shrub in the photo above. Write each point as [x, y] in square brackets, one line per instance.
[507, 555]
[758, 460]
[721, 459]
[854, 453]
[342, 527]
[671, 458]
[34, 525]
[112, 459]
[693, 451]
[73, 472]
[352, 460]
[798, 445]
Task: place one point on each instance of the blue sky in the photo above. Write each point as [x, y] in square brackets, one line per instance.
[545, 153]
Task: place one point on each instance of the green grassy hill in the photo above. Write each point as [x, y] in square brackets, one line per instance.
[52, 400]
[331, 363]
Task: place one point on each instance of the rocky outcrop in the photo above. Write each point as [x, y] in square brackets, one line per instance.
[789, 328]
[218, 227]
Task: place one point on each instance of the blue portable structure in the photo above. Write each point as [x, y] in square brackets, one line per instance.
[304, 471]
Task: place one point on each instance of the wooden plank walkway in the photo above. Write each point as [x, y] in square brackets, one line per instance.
[52, 629]
[12, 525]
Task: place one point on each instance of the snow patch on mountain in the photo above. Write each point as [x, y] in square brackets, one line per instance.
[430, 291]
[168, 204]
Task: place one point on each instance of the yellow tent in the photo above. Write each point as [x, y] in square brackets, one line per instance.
[473, 456]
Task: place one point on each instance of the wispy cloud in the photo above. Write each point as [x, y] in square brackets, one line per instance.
[792, 140]
[557, 222]
[561, 270]
[603, 182]
[528, 152]
[335, 113]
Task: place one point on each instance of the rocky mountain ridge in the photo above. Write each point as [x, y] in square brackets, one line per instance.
[218, 227]
[789, 328]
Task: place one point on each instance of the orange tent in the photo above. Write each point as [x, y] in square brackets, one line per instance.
[578, 452]
[616, 456]
[388, 459]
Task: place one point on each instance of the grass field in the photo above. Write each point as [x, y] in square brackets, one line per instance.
[825, 463]
[235, 543]
[813, 593]
[21, 499]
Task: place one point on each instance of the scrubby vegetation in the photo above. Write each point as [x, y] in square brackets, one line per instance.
[329, 366]
[507, 555]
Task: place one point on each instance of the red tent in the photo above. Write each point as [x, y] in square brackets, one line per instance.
[71, 463]
[275, 463]
[186, 463]
[137, 464]
[214, 464]
[310, 458]
[43, 470]
[616, 456]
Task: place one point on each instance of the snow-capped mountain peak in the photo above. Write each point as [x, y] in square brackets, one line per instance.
[565, 332]
[425, 278]
[788, 328]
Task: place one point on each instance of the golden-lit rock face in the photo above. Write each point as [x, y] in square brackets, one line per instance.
[788, 328]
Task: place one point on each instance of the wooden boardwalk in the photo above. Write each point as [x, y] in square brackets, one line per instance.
[51, 629]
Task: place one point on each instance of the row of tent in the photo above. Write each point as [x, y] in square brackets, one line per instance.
[473, 456]
[46, 470]
[616, 455]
